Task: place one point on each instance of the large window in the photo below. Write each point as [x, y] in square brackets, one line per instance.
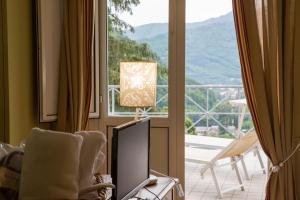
[137, 31]
[215, 103]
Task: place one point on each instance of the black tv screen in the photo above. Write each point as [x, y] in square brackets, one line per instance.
[130, 158]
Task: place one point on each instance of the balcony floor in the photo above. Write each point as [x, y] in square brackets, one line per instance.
[204, 189]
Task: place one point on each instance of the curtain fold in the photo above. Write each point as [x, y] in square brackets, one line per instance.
[75, 65]
[266, 35]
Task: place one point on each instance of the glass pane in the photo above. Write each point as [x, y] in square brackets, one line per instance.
[138, 31]
[212, 69]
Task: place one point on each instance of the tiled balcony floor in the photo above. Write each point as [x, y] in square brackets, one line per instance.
[204, 189]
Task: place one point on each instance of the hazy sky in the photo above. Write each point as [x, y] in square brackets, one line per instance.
[156, 11]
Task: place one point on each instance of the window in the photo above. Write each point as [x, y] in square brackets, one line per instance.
[49, 28]
[137, 31]
[215, 103]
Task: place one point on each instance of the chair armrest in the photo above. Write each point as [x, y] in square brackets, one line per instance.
[96, 187]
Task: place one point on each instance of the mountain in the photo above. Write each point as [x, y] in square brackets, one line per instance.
[211, 48]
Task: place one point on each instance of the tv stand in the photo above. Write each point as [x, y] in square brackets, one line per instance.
[163, 189]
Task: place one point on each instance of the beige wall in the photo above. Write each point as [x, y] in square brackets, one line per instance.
[21, 94]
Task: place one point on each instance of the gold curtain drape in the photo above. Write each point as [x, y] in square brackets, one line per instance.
[266, 37]
[75, 65]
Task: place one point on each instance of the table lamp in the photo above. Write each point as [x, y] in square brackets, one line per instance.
[138, 85]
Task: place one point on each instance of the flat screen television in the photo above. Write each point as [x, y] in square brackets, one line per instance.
[130, 158]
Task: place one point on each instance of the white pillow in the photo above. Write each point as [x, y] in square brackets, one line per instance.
[50, 166]
[90, 156]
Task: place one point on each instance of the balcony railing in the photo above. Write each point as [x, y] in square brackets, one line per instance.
[208, 108]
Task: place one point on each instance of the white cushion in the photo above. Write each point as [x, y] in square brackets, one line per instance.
[51, 166]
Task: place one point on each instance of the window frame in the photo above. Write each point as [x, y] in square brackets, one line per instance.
[45, 82]
[106, 72]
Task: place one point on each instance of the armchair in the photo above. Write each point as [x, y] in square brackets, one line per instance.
[59, 165]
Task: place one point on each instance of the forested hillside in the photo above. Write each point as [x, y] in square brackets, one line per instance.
[211, 49]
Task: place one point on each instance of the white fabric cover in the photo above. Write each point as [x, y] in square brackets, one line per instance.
[91, 156]
[51, 166]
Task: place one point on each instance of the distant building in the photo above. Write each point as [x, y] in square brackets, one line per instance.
[208, 131]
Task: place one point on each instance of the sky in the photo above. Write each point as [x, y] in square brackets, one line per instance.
[156, 11]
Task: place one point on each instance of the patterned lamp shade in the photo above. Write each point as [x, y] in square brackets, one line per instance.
[138, 84]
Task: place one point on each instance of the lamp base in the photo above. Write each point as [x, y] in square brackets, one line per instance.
[136, 116]
[139, 113]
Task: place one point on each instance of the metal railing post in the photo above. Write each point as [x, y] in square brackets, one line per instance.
[207, 110]
[113, 101]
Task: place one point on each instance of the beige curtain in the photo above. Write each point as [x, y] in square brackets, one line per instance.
[75, 65]
[266, 37]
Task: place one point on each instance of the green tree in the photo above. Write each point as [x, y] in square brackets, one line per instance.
[114, 8]
[188, 126]
[247, 124]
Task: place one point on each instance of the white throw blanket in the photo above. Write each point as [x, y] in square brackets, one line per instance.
[91, 157]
